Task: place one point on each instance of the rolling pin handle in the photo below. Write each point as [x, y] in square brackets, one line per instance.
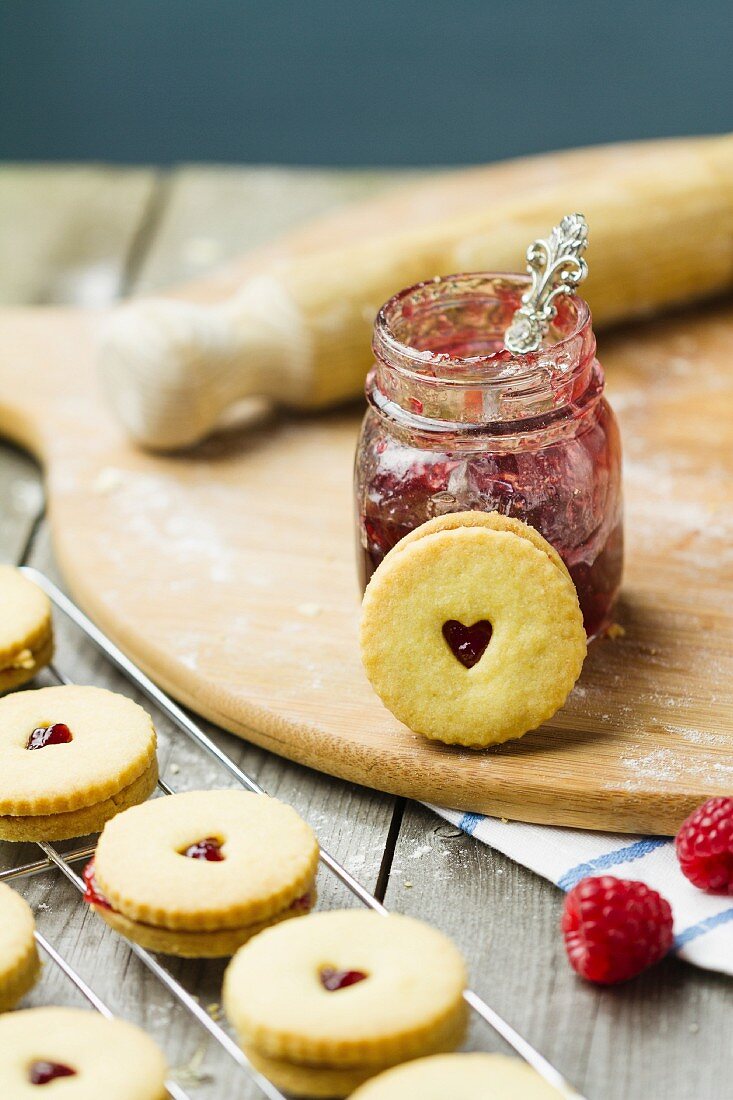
[170, 368]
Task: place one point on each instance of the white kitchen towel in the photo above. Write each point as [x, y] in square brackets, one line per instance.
[703, 923]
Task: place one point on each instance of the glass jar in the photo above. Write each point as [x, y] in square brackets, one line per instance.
[455, 422]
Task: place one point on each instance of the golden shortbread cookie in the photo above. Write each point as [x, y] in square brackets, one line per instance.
[321, 1004]
[495, 521]
[460, 1077]
[59, 790]
[89, 1056]
[26, 632]
[320, 1081]
[88, 819]
[472, 634]
[198, 945]
[261, 870]
[19, 963]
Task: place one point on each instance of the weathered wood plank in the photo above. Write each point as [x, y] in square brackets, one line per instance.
[653, 1037]
[66, 232]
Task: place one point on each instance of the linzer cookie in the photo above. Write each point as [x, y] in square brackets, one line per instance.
[70, 759]
[320, 1005]
[80, 1055]
[459, 1077]
[494, 521]
[26, 633]
[19, 965]
[471, 630]
[198, 874]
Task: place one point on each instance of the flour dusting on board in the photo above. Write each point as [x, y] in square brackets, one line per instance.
[667, 766]
[157, 511]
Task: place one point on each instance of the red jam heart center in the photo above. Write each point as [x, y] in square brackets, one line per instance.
[41, 1073]
[339, 979]
[56, 734]
[467, 643]
[208, 849]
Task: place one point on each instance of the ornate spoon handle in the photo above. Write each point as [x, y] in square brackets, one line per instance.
[557, 267]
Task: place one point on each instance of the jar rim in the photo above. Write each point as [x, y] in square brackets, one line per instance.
[412, 362]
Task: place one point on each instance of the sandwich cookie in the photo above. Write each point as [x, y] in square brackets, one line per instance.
[19, 963]
[80, 1055]
[493, 521]
[26, 632]
[471, 630]
[70, 759]
[460, 1077]
[198, 874]
[322, 1004]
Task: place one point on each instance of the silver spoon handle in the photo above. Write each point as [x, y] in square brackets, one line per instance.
[557, 267]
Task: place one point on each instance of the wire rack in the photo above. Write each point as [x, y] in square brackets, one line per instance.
[64, 863]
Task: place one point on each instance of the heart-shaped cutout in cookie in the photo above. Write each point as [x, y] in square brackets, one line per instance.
[467, 643]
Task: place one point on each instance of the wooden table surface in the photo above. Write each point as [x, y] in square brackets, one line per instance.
[89, 235]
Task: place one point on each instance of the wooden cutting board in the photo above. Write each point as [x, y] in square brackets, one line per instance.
[229, 574]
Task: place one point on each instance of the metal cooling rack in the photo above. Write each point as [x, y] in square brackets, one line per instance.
[53, 858]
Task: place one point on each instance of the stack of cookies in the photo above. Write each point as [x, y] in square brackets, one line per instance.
[198, 874]
[70, 759]
[323, 1004]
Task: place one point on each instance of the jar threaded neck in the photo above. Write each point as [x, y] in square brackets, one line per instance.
[440, 354]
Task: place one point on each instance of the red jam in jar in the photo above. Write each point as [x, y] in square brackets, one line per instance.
[457, 423]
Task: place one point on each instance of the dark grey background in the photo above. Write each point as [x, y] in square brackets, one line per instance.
[370, 82]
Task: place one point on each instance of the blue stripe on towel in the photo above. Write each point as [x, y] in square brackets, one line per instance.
[703, 926]
[628, 854]
[469, 822]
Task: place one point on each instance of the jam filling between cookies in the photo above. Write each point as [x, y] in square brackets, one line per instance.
[94, 896]
[332, 979]
[208, 849]
[467, 643]
[303, 904]
[40, 1073]
[56, 734]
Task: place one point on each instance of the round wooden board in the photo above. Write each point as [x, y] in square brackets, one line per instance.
[229, 575]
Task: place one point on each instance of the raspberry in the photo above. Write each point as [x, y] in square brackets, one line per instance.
[614, 928]
[704, 846]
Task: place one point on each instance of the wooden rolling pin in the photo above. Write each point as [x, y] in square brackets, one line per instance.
[298, 331]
